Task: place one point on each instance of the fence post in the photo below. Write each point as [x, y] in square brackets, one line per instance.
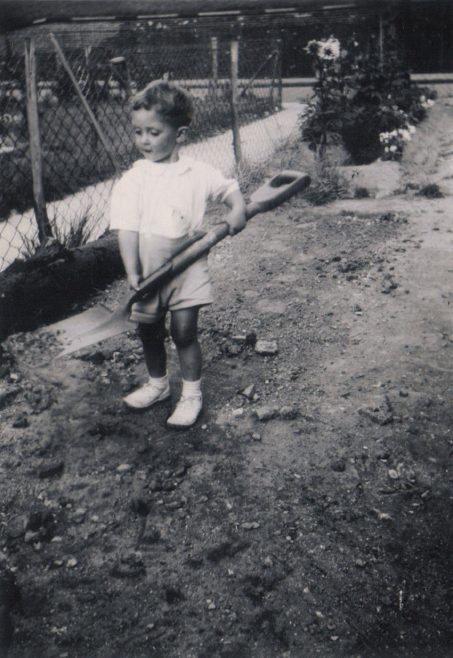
[234, 77]
[381, 40]
[215, 61]
[278, 68]
[39, 202]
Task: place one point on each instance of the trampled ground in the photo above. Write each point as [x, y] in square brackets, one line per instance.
[309, 511]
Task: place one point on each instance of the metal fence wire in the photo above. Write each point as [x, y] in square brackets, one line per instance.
[98, 73]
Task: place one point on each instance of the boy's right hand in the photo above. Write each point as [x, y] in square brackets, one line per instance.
[134, 281]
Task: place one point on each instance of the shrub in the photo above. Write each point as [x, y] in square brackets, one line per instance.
[363, 99]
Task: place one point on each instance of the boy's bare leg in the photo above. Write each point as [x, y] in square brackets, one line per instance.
[184, 333]
[153, 341]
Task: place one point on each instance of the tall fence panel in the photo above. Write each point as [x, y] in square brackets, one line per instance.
[84, 82]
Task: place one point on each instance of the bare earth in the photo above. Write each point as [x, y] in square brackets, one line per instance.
[309, 512]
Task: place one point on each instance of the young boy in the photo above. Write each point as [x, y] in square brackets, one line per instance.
[155, 206]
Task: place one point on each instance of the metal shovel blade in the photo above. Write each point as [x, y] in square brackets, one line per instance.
[69, 329]
[111, 325]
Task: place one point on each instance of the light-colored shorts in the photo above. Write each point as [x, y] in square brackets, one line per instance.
[188, 289]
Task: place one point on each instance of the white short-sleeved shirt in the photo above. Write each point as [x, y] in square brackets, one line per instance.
[166, 199]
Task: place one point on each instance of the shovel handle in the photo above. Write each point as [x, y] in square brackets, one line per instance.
[274, 192]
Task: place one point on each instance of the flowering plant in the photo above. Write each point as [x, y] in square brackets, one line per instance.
[360, 95]
[394, 141]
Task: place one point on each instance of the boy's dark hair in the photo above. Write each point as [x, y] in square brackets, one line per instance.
[169, 99]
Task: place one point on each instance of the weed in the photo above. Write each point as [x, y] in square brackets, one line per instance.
[431, 191]
[327, 184]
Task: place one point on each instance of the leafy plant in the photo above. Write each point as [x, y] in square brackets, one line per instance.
[363, 98]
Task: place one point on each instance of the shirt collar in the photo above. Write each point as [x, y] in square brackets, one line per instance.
[179, 167]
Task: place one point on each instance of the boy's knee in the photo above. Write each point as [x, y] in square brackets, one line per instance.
[183, 336]
[152, 333]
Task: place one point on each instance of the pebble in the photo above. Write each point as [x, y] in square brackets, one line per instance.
[266, 347]
[250, 525]
[265, 413]
[339, 466]
[71, 563]
[123, 468]
[288, 413]
[256, 436]
[21, 422]
[248, 391]
[49, 469]
[16, 527]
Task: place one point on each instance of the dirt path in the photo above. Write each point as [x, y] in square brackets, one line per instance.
[307, 514]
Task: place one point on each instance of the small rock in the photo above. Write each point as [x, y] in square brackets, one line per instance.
[393, 474]
[233, 350]
[265, 413]
[129, 566]
[123, 468]
[238, 412]
[211, 604]
[288, 413]
[256, 436]
[339, 465]
[266, 347]
[268, 562]
[248, 392]
[16, 527]
[50, 469]
[31, 536]
[21, 421]
[79, 515]
[381, 413]
[250, 525]
[71, 563]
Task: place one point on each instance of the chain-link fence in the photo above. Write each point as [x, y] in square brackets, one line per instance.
[80, 100]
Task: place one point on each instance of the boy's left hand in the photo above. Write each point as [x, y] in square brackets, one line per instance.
[236, 220]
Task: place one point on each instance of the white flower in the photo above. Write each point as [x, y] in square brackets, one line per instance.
[430, 102]
[393, 148]
[386, 149]
[405, 134]
[329, 49]
[411, 129]
[422, 99]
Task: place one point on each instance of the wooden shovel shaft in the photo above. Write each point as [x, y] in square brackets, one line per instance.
[189, 255]
[276, 191]
[280, 188]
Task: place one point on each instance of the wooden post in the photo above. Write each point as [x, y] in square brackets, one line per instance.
[215, 61]
[85, 104]
[234, 77]
[39, 202]
[381, 40]
[278, 67]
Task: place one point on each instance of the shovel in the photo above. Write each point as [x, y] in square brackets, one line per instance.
[99, 323]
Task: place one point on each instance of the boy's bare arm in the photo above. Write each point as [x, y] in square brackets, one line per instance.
[129, 249]
[236, 217]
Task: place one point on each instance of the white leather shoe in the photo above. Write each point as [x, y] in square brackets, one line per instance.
[186, 412]
[147, 395]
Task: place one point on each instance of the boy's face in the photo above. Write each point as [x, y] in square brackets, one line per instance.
[156, 139]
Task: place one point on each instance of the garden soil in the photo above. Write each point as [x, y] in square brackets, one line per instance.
[309, 511]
